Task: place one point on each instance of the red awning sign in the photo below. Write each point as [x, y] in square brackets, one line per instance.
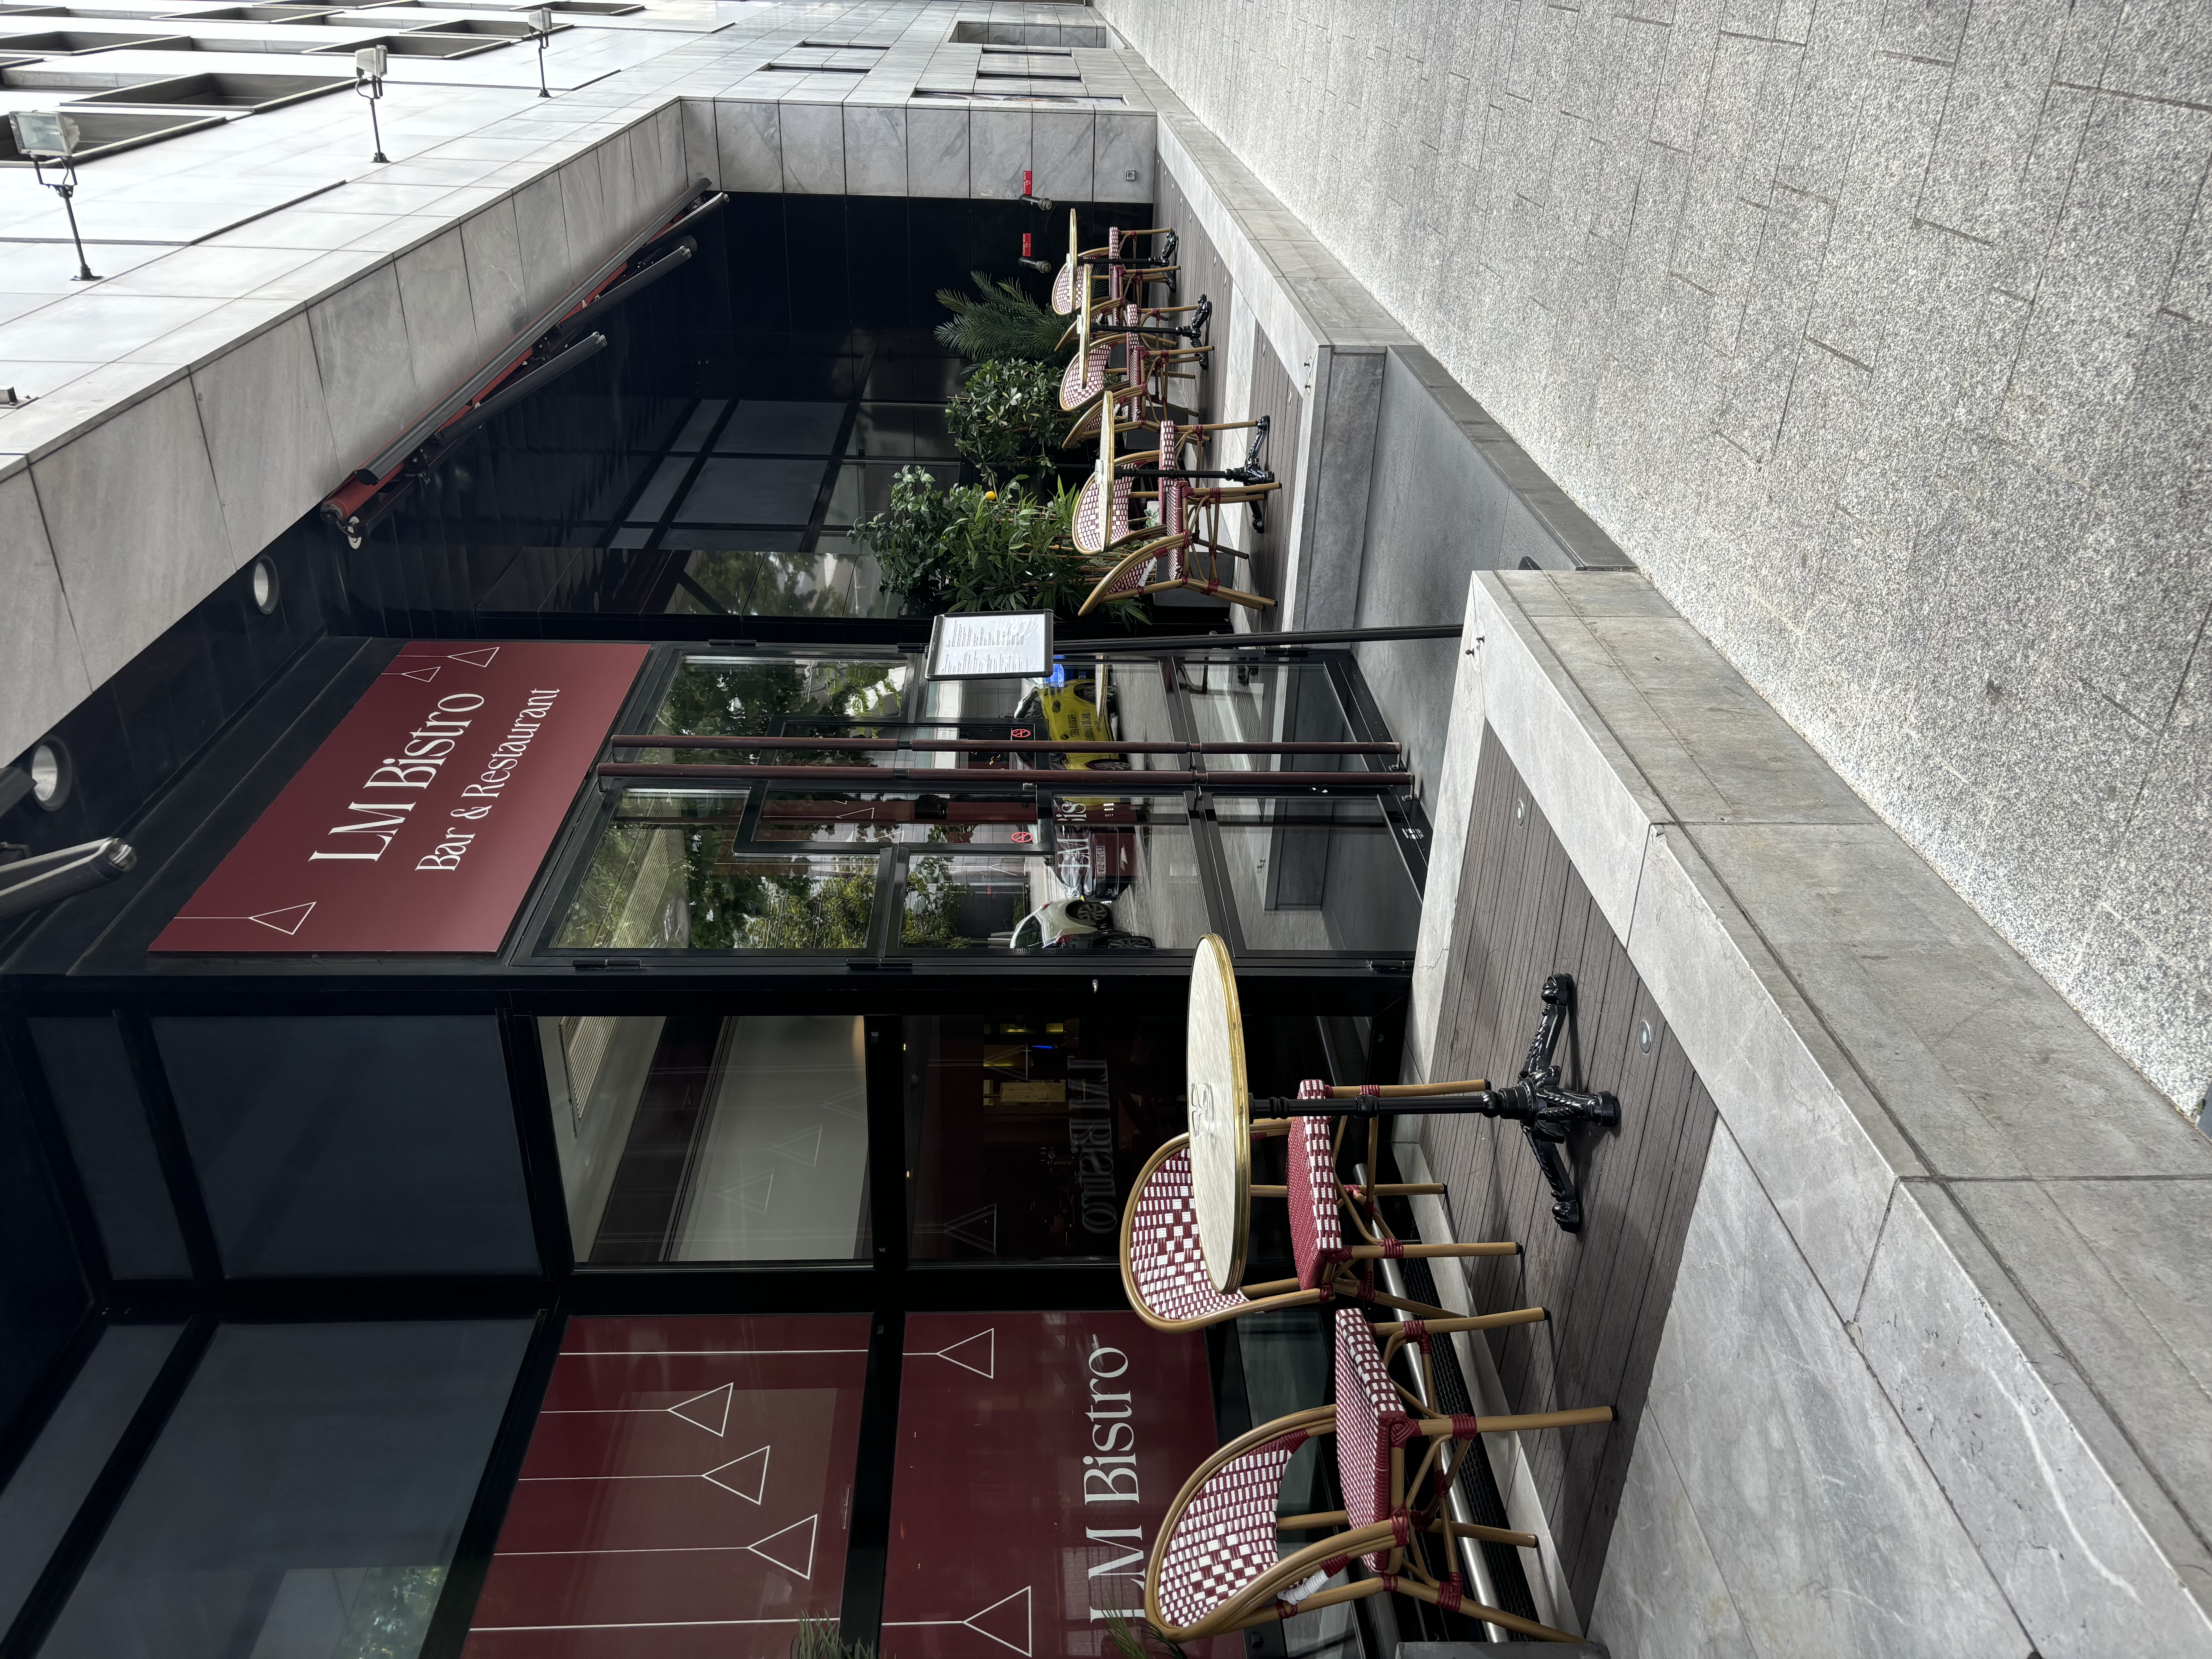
[420, 822]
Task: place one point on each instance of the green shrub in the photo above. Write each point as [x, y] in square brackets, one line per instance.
[1006, 421]
[967, 548]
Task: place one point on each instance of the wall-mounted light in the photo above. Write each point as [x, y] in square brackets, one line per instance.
[46, 140]
[266, 586]
[52, 774]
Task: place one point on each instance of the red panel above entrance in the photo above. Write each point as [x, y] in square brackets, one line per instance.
[419, 825]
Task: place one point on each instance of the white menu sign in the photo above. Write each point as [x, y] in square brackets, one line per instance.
[991, 645]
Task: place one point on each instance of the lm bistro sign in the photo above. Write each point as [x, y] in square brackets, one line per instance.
[420, 823]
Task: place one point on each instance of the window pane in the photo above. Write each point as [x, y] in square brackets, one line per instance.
[304, 1497]
[1317, 874]
[89, 1077]
[41, 1497]
[710, 1140]
[740, 696]
[1123, 876]
[965, 903]
[688, 1490]
[1255, 701]
[1023, 1134]
[309, 1135]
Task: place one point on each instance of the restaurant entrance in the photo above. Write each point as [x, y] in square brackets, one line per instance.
[668, 1205]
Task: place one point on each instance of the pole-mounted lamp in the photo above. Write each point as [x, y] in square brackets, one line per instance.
[541, 25]
[47, 140]
[369, 64]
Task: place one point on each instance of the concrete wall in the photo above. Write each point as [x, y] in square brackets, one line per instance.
[1880, 337]
[1937, 1378]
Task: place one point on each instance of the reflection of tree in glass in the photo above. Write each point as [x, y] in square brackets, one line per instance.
[804, 912]
[932, 906]
[765, 584]
[391, 1613]
[746, 904]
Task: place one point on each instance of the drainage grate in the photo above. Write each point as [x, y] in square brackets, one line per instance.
[1476, 1483]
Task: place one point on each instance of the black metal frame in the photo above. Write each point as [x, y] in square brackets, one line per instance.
[203, 816]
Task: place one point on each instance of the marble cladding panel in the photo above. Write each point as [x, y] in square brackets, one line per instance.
[541, 226]
[587, 210]
[875, 149]
[43, 665]
[367, 369]
[1711, 748]
[268, 434]
[166, 499]
[2088, 1549]
[751, 141]
[1060, 142]
[1964, 1043]
[702, 156]
[1827, 1525]
[998, 152]
[494, 252]
[813, 148]
[1124, 144]
[1663, 1595]
[440, 312]
[1826, 1150]
[1596, 799]
[936, 152]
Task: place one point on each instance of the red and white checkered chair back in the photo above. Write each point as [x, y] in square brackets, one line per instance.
[1316, 1221]
[1084, 379]
[1167, 1268]
[1063, 288]
[1089, 523]
[1225, 1536]
[1371, 1421]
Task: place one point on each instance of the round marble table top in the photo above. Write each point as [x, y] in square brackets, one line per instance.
[1220, 1115]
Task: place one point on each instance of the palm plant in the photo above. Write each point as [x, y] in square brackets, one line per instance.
[1003, 323]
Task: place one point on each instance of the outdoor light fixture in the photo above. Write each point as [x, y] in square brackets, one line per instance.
[1042, 203]
[1029, 249]
[541, 25]
[46, 140]
[266, 587]
[51, 775]
[368, 66]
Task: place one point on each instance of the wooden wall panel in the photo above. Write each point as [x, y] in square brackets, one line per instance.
[1525, 914]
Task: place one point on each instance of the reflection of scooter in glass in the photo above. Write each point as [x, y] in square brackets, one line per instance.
[1071, 924]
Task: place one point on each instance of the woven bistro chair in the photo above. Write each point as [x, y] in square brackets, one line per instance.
[1164, 1269]
[1185, 549]
[1217, 1564]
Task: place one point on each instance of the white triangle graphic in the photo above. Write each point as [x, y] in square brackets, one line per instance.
[478, 658]
[808, 1524]
[1028, 1621]
[734, 1475]
[805, 1147]
[979, 1227]
[754, 1193]
[425, 675]
[712, 1412]
[288, 921]
[989, 1339]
